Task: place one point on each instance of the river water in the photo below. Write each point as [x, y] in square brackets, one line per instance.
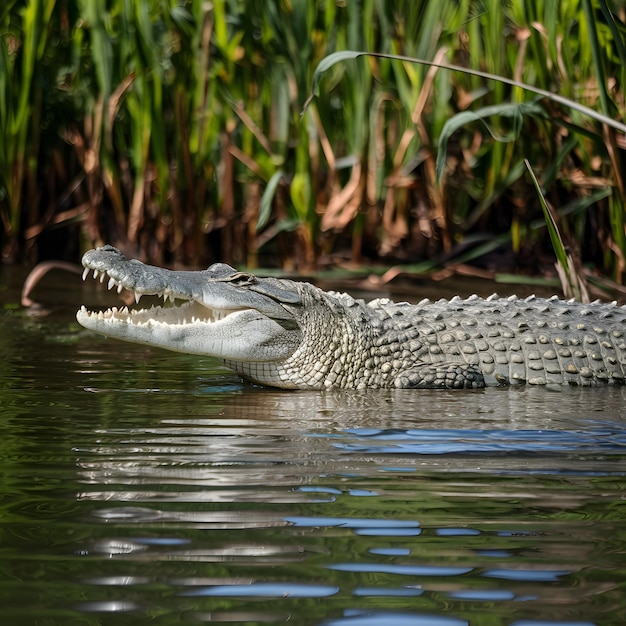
[146, 487]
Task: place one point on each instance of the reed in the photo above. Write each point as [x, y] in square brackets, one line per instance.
[20, 110]
[175, 129]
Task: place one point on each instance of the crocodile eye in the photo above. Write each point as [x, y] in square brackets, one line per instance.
[241, 279]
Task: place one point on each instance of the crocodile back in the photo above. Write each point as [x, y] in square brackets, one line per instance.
[516, 341]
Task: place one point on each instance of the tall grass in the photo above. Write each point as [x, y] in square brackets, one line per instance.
[174, 128]
[20, 110]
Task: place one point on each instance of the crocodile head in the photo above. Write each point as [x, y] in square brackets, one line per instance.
[216, 312]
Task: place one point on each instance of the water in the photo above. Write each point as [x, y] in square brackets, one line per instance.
[143, 487]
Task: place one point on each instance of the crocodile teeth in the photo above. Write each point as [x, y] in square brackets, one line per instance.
[96, 274]
[137, 297]
[85, 273]
[111, 283]
[119, 288]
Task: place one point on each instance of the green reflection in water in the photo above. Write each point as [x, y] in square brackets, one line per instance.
[146, 487]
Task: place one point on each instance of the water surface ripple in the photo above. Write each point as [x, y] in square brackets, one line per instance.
[141, 487]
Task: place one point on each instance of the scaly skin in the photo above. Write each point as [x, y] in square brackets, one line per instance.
[295, 336]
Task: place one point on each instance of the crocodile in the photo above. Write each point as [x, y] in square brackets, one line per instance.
[293, 335]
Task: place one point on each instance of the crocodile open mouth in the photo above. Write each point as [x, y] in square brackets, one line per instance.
[217, 312]
[174, 311]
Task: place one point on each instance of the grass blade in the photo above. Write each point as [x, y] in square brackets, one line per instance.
[332, 59]
[267, 199]
[572, 282]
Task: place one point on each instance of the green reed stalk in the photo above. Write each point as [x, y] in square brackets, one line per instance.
[22, 44]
